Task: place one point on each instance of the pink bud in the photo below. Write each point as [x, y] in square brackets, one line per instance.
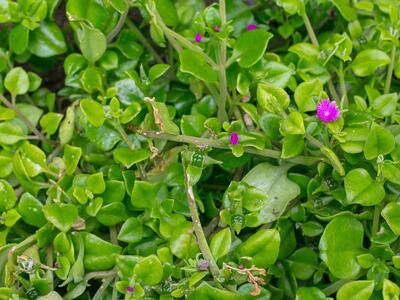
[198, 37]
[234, 138]
[130, 289]
[251, 27]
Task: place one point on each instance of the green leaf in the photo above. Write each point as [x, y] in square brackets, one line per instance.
[195, 64]
[157, 71]
[109, 60]
[272, 98]
[112, 214]
[50, 121]
[391, 173]
[273, 182]
[294, 124]
[129, 157]
[148, 271]
[119, 5]
[306, 51]
[367, 61]
[309, 293]
[391, 214]
[131, 231]
[47, 40]
[34, 81]
[92, 80]
[94, 12]
[390, 290]
[162, 117]
[67, 126]
[348, 12]
[193, 125]
[167, 11]
[33, 159]
[6, 114]
[144, 194]
[261, 242]
[115, 191]
[92, 42]
[250, 47]
[74, 63]
[93, 111]
[307, 94]
[292, 6]
[18, 39]
[356, 290]
[95, 183]
[362, 189]
[71, 158]
[380, 141]
[275, 73]
[221, 243]
[303, 263]
[103, 137]
[8, 199]
[17, 81]
[94, 206]
[292, 146]
[340, 245]
[61, 215]
[385, 105]
[10, 133]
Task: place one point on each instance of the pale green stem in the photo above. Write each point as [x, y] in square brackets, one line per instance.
[390, 70]
[28, 123]
[314, 41]
[375, 220]
[181, 39]
[123, 134]
[343, 86]
[334, 287]
[104, 285]
[118, 27]
[198, 229]
[144, 41]
[302, 160]
[314, 141]
[223, 94]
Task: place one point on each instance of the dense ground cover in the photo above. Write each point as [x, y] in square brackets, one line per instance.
[161, 149]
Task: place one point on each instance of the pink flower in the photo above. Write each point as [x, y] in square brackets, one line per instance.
[251, 27]
[234, 138]
[216, 28]
[327, 111]
[198, 37]
[130, 289]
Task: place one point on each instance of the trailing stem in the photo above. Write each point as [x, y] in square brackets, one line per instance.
[223, 93]
[390, 70]
[25, 120]
[302, 160]
[198, 229]
[314, 41]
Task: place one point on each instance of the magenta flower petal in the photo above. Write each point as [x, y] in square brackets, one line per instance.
[251, 27]
[198, 37]
[234, 138]
[327, 111]
[130, 289]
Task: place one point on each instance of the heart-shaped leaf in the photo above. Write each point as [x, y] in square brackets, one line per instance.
[362, 189]
[62, 216]
[340, 245]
